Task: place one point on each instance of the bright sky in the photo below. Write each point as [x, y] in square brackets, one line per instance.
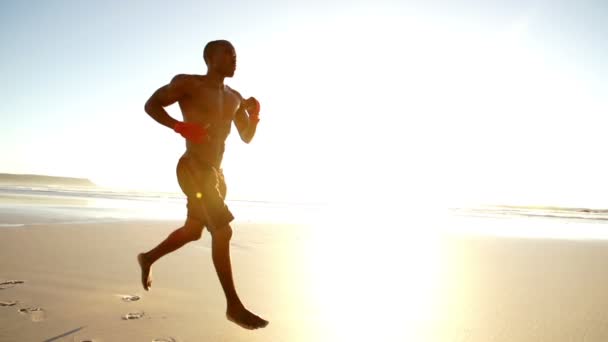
[379, 101]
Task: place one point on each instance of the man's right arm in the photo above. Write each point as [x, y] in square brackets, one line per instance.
[166, 96]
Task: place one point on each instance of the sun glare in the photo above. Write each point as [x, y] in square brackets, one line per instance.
[378, 275]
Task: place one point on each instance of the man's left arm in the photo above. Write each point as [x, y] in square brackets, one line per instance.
[246, 118]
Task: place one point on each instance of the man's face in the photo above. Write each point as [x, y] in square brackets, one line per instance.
[224, 60]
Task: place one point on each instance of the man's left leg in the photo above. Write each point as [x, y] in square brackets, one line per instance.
[235, 310]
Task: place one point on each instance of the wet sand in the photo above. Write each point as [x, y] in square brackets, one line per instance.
[78, 282]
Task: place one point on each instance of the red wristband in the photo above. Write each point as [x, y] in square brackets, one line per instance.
[178, 127]
[191, 131]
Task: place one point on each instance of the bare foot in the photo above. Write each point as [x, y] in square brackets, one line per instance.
[146, 277]
[245, 318]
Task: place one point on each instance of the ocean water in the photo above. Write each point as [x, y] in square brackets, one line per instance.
[22, 205]
[530, 222]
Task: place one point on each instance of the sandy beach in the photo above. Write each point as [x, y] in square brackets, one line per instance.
[79, 274]
[84, 279]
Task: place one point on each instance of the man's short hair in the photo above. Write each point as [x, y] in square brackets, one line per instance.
[212, 46]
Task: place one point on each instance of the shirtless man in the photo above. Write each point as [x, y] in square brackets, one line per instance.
[209, 107]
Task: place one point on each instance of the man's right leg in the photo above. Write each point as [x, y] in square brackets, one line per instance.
[191, 231]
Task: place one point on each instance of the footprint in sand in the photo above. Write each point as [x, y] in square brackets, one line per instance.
[129, 298]
[8, 302]
[10, 283]
[36, 314]
[133, 315]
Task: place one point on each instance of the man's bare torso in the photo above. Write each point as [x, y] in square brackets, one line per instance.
[211, 107]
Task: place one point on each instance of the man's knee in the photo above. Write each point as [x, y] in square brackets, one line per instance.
[193, 229]
[222, 232]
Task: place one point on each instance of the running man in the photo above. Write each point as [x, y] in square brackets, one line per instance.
[209, 107]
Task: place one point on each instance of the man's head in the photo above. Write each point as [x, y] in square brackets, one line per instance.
[220, 57]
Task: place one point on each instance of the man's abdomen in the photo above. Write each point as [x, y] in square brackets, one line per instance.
[206, 153]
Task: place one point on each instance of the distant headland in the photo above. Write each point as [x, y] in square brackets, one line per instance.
[29, 180]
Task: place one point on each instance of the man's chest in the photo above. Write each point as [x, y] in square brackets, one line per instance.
[214, 104]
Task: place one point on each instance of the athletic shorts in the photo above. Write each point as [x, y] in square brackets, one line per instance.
[205, 188]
